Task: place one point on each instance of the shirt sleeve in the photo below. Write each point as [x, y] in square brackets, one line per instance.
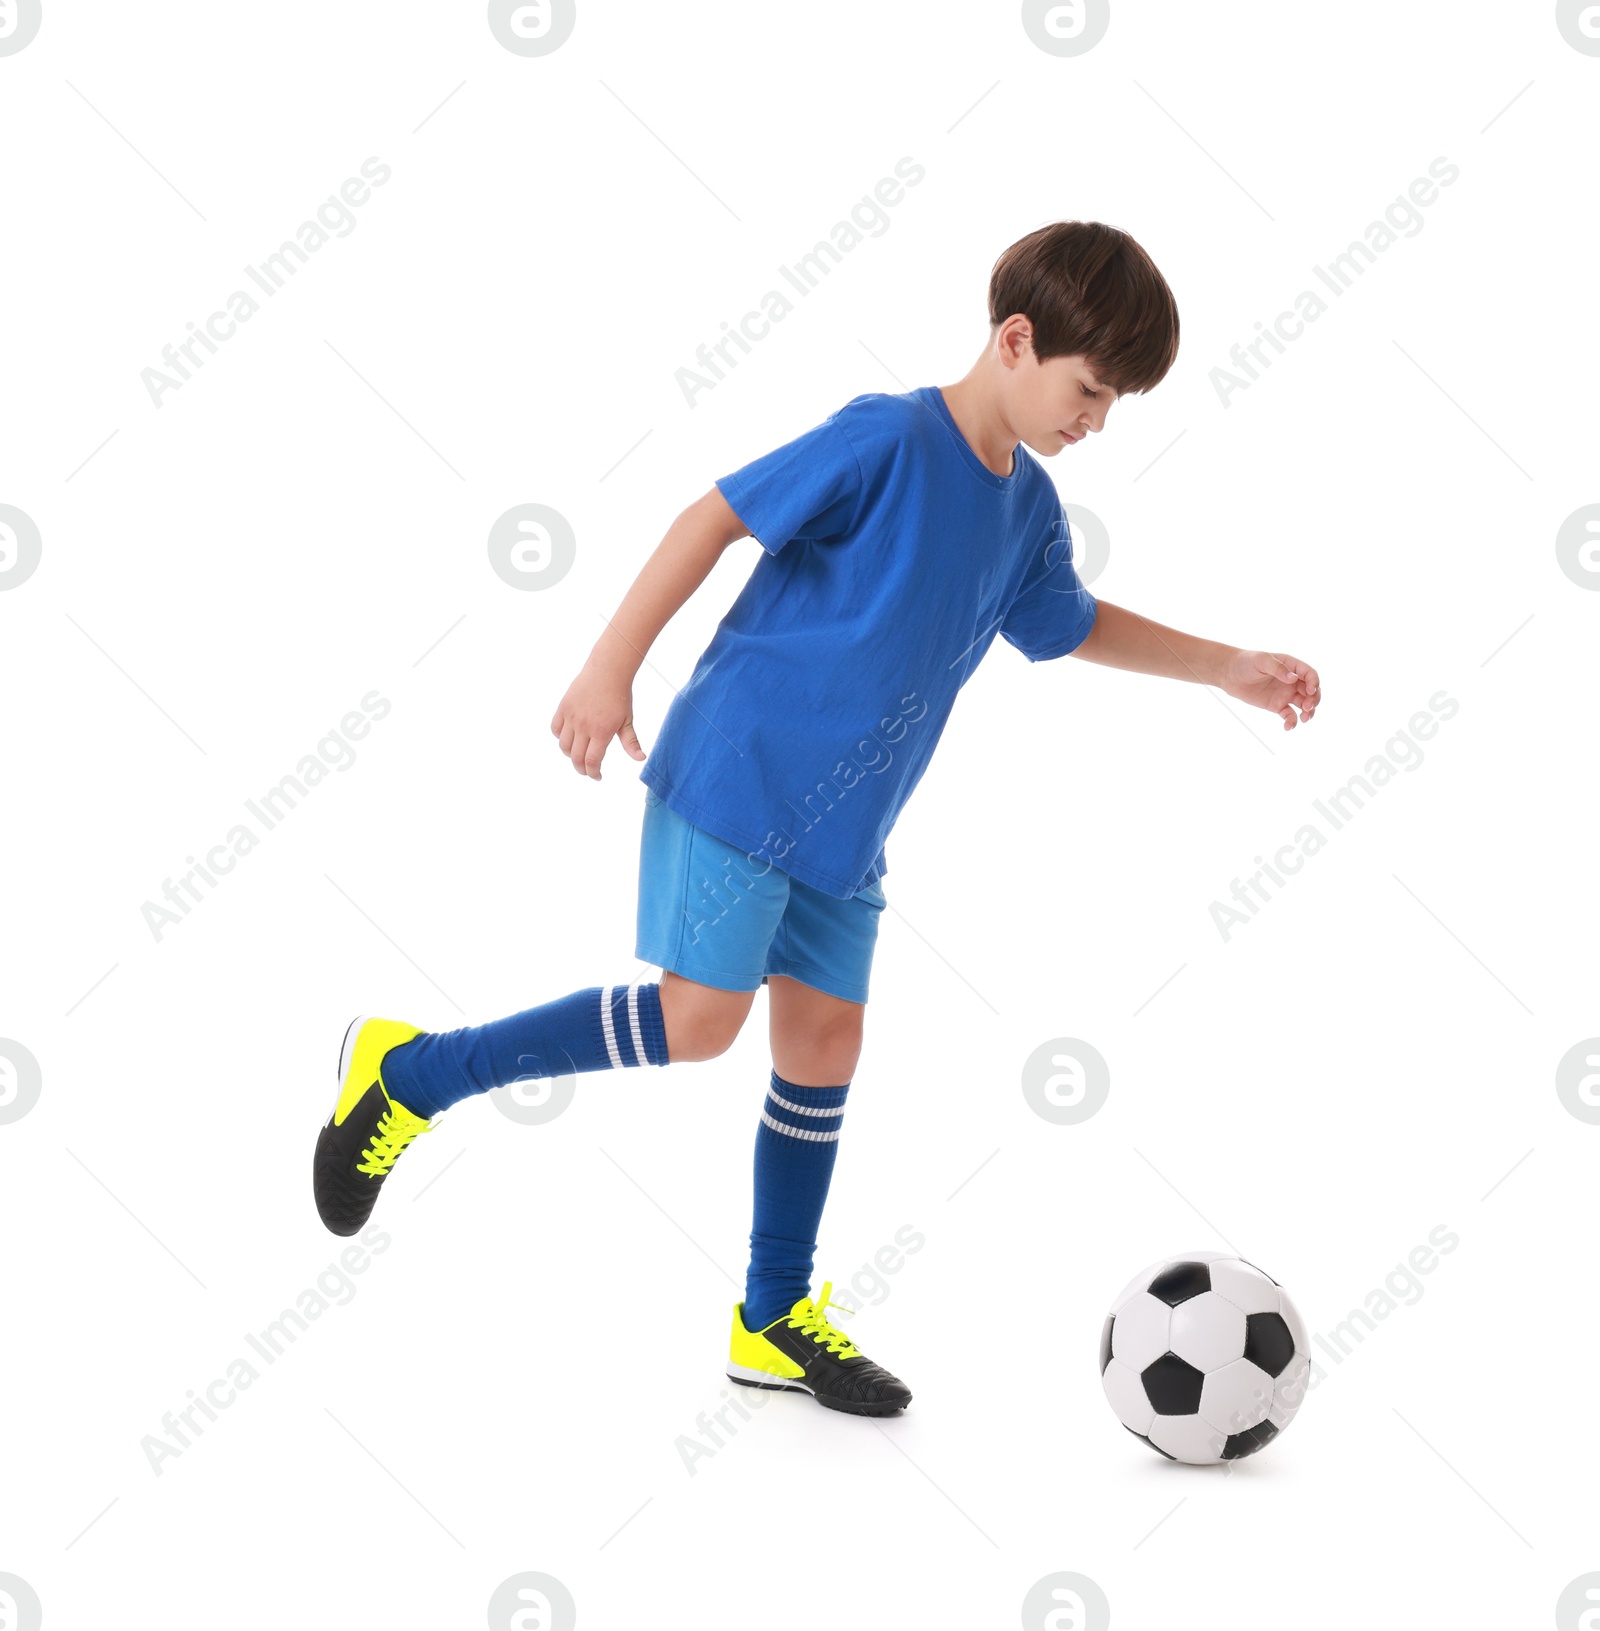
[809, 488]
[1052, 613]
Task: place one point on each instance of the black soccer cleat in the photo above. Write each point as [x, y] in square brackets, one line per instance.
[800, 1352]
[367, 1131]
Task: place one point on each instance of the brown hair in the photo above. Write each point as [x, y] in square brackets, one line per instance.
[1090, 290]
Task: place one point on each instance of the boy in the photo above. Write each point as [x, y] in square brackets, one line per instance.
[900, 535]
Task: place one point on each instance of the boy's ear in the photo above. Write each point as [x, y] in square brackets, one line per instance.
[1016, 343]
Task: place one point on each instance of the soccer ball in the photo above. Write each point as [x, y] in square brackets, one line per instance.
[1204, 1357]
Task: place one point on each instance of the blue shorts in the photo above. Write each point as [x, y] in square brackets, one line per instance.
[709, 912]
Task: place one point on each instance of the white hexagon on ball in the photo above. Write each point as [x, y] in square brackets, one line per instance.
[1138, 1283]
[1236, 1397]
[1208, 1331]
[1139, 1336]
[1246, 1288]
[1128, 1397]
[1187, 1438]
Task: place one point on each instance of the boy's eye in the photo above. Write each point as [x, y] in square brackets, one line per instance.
[1088, 392]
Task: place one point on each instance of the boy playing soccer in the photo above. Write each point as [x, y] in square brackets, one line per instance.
[899, 536]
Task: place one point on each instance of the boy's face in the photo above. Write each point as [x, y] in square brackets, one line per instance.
[1053, 404]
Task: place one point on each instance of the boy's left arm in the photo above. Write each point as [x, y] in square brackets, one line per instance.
[1265, 679]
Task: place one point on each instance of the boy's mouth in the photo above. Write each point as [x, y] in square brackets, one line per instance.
[1067, 434]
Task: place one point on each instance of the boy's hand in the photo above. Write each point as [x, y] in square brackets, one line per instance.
[1275, 681]
[598, 705]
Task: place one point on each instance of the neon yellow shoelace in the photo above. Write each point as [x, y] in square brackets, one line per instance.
[388, 1140]
[815, 1324]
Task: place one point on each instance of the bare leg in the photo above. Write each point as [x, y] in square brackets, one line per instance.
[701, 1020]
[816, 1037]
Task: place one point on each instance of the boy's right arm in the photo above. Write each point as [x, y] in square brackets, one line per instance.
[599, 702]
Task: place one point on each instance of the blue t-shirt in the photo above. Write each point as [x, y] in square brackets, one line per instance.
[893, 556]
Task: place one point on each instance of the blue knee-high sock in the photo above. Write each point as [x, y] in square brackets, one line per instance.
[598, 1028]
[796, 1145]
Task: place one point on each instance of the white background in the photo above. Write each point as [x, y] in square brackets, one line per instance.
[305, 521]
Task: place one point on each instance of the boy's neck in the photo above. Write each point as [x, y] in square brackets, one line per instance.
[976, 411]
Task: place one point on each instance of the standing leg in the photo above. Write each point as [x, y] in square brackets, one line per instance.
[816, 1038]
[816, 1043]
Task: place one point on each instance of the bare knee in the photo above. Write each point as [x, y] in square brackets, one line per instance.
[701, 1021]
[824, 1052]
[700, 1039]
[837, 1052]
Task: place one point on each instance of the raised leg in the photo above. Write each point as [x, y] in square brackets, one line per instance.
[701, 1020]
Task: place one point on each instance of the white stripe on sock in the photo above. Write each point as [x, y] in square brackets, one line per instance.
[638, 1030]
[606, 1026]
[805, 1109]
[799, 1132]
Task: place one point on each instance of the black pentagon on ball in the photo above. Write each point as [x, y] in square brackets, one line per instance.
[1181, 1282]
[1105, 1344]
[1172, 1386]
[1239, 1445]
[1267, 1342]
[1151, 1442]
